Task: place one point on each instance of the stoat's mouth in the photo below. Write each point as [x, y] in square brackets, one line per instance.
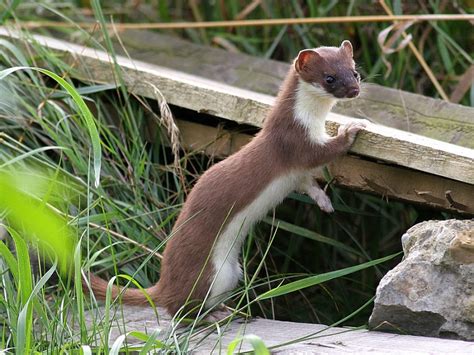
[353, 93]
[348, 98]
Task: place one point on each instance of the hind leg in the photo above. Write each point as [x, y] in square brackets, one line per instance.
[219, 313]
[320, 197]
[225, 281]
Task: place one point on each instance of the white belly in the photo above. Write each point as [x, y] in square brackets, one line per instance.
[225, 255]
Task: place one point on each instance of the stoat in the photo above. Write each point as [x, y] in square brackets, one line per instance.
[201, 260]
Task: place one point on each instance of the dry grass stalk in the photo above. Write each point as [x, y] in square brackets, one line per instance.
[166, 120]
[419, 57]
[464, 83]
[386, 43]
[128, 240]
[257, 22]
[247, 10]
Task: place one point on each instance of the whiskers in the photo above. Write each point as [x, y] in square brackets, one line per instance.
[317, 91]
[345, 99]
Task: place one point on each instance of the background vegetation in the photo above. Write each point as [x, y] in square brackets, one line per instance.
[121, 222]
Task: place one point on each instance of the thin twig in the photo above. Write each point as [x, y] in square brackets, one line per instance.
[115, 234]
[419, 57]
[256, 22]
[247, 10]
[121, 236]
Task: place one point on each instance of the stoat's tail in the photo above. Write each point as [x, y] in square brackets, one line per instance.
[131, 296]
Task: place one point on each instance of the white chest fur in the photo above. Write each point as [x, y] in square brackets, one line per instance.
[225, 256]
[311, 108]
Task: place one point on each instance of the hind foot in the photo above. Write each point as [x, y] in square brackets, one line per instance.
[220, 313]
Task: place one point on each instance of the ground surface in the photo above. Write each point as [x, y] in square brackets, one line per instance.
[324, 340]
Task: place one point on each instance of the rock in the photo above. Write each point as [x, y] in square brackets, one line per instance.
[431, 292]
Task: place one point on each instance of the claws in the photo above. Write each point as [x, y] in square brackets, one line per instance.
[350, 129]
[218, 315]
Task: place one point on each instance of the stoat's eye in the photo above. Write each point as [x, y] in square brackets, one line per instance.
[330, 79]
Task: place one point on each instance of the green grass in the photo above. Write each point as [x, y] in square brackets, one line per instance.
[99, 167]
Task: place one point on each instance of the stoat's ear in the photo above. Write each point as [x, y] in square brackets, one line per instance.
[346, 46]
[305, 58]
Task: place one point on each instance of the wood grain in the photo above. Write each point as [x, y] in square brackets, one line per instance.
[378, 143]
[399, 109]
[277, 335]
[350, 171]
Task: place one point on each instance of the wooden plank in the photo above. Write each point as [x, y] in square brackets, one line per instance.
[210, 140]
[244, 106]
[349, 171]
[319, 339]
[410, 112]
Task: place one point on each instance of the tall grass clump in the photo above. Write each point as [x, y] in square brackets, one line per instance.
[94, 178]
[49, 124]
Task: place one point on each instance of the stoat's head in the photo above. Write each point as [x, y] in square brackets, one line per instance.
[330, 70]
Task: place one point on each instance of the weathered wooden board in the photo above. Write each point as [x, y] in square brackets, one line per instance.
[349, 171]
[244, 106]
[318, 339]
[394, 108]
[382, 143]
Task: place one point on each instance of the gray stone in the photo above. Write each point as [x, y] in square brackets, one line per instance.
[431, 292]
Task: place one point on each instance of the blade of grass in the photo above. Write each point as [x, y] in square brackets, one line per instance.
[303, 232]
[9, 10]
[25, 318]
[87, 90]
[317, 279]
[151, 342]
[24, 285]
[79, 293]
[9, 259]
[117, 345]
[29, 154]
[259, 347]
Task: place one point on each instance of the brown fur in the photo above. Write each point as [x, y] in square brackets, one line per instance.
[227, 187]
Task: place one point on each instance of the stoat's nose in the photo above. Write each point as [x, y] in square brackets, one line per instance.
[353, 92]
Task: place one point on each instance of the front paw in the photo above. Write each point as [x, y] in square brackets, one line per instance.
[350, 130]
